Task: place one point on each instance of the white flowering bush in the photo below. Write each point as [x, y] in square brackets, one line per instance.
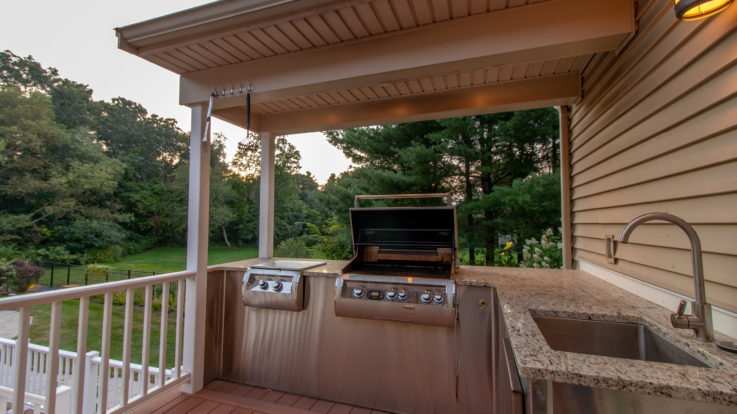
[544, 254]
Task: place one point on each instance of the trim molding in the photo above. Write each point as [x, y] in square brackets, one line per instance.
[724, 321]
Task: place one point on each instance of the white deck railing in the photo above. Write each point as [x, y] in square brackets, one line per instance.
[39, 371]
[36, 374]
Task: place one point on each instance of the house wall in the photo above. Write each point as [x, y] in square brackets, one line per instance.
[655, 130]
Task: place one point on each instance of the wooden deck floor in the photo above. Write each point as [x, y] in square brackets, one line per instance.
[220, 397]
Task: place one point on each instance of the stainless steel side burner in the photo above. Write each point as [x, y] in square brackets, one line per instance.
[276, 284]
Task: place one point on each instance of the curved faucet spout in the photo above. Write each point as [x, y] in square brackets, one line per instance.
[702, 310]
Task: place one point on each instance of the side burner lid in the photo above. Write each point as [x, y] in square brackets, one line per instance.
[282, 264]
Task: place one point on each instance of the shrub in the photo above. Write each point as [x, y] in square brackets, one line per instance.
[19, 275]
[7, 275]
[84, 236]
[545, 254]
[107, 255]
[295, 247]
[56, 254]
[506, 256]
[96, 273]
[119, 297]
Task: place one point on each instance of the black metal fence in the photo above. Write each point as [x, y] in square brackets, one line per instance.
[59, 274]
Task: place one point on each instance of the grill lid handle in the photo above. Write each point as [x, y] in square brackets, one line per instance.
[445, 196]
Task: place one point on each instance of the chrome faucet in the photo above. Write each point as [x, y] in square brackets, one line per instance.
[700, 320]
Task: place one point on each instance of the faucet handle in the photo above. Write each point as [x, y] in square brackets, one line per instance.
[677, 320]
[681, 308]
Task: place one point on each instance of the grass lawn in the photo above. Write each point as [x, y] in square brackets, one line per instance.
[174, 259]
[159, 260]
[39, 331]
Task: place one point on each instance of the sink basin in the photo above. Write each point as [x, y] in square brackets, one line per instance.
[613, 339]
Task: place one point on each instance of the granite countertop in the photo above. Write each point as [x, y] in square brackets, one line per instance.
[579, 295]
[576, 294]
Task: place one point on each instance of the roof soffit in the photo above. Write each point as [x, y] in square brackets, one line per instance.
[536, 32]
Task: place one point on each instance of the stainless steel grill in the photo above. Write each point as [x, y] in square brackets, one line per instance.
[403, 264]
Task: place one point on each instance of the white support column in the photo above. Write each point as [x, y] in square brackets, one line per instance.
[197, 231]
[266, 197]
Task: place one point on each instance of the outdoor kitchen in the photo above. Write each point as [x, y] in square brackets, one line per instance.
[402, 328]
[640, 318]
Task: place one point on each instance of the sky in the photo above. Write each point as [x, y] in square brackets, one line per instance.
[77, 38]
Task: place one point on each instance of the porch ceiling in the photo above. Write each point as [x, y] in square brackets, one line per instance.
[323, 64]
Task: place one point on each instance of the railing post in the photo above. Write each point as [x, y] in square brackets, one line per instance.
[91, 382]
[197, 232]
[63, 400]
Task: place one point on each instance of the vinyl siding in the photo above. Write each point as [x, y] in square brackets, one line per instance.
[656, 130]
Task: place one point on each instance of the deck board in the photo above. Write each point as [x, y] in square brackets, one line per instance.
[221, 397]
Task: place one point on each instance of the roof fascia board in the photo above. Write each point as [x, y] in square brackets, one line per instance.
[215, 20]
[502, 97]
[540, 31]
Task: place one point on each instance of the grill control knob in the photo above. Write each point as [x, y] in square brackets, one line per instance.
[276, 285]
[358, 292]
[263, 285]
[426, 296]
[402, 294]
[391, 294]
[438, 298]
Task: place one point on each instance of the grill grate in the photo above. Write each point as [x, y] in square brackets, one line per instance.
[403, 271]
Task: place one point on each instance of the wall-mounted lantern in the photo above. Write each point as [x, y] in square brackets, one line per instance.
[698, 9]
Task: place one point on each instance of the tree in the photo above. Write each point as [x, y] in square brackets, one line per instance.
[50, 176]
[469, 156]
[25, 73]
[293, 195]
[73, 106]
[402, 158]
[221, 194]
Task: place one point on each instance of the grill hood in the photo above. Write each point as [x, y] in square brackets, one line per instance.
[404, 237]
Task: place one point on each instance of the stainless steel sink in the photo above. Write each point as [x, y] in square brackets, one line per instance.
[613, 339]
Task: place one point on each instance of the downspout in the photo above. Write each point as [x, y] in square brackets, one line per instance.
[565, 187]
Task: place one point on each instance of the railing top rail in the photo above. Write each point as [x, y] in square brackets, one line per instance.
[15, 302]
[38, 348]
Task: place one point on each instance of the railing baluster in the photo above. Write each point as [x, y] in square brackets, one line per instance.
[30, 378]
[164, 320]
[21, 359]
[39, 372]
[52, 358]
[128, 326]
[178, 340]
[105, 357]
[146, 338]
[79, 363]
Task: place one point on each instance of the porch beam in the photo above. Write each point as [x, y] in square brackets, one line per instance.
[266, 197]
[510, 96]
[197, 237]
[544, 30]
